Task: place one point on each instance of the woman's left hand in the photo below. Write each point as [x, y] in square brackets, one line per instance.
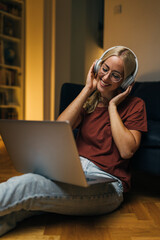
[120, 97]
[127, 141]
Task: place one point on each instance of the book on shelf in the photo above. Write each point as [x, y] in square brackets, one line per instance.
[11, 7]
[1, 24]
[3, 98]
[1, 52]
[3, 7]
[8, 98]
[10, 113]
[8, 77]
[8, 27]
[2, 76]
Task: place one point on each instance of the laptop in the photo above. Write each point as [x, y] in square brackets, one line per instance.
[47, 148]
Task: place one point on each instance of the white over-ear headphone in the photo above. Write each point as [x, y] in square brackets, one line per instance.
[130, 79]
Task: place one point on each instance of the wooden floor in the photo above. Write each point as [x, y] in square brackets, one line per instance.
[137, 219]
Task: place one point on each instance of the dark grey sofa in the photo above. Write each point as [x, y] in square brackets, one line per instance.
[147, 158]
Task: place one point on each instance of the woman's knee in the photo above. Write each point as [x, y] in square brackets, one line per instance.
[26, 181]
[21, 193]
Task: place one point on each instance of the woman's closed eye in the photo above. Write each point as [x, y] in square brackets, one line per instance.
[116, 75]
[105, 69]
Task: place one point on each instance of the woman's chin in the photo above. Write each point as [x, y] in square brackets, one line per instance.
[103, 88]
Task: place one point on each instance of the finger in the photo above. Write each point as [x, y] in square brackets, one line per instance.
[93, 70]
[93, 65]
[128, 90]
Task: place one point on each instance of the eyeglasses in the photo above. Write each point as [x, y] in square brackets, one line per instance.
[114, 76]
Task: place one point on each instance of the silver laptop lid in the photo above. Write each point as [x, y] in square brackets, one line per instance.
[44, 147]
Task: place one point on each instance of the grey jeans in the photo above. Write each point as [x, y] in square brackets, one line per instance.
[30, 194]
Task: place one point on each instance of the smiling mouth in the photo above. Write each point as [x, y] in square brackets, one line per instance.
[103, 84]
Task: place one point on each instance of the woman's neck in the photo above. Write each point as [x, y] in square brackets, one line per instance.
[109, 95]
[102, 101]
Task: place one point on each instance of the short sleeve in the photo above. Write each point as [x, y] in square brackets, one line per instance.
[134, 117]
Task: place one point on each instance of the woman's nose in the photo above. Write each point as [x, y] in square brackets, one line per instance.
[107, 76]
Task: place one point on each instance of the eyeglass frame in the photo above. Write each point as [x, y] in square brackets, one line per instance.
[110, 74]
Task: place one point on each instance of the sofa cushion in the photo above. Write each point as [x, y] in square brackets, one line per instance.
[152, 137]
[69, 92]
[150, 93]
[148, 160]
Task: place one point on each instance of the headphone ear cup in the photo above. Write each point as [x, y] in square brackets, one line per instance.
[97, 65]
[127, 82]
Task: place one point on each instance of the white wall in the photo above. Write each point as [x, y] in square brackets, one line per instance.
[137, 27]
[84, 34]
[92, 48]
[75, 42]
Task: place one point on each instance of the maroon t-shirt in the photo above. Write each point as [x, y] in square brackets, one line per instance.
[95, 141]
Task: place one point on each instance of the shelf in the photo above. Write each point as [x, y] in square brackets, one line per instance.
[9, 112]
[10, 15]
[11, 105]
[10, 66]
[18, 1]
[10, 38]
[9, 87]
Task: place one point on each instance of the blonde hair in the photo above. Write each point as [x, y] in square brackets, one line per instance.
[129, 67]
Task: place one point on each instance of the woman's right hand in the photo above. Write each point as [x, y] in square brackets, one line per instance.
[73, 112]
[91, 81]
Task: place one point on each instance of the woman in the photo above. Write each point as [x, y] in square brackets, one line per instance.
[110, 125]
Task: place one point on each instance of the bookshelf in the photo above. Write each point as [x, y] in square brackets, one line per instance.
[11, 59]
